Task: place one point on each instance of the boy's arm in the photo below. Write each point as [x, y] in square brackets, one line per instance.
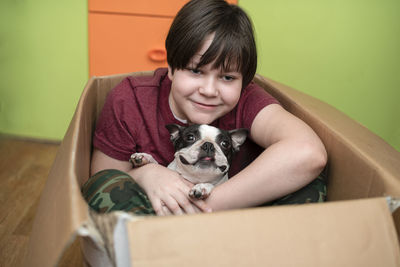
[162, 185]
[293, 157]
[101, 161]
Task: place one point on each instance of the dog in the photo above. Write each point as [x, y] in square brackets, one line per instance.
[203, 155]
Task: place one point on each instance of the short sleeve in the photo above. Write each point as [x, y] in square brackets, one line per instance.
[253, 100]
[112, 135]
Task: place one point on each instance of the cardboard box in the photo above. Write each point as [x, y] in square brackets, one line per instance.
[354, 228]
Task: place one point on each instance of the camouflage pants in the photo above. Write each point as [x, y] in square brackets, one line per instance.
[111, 190]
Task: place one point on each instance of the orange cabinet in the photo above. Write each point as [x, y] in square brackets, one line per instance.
[135, 7]
[129, 35]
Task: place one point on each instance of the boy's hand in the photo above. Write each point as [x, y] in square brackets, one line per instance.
[167, 190]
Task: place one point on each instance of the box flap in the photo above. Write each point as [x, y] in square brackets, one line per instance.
[348, 233]
[62, 209]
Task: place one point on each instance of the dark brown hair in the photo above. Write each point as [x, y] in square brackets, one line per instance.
[233, 47]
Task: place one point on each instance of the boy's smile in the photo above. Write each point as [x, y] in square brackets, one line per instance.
[202, 95]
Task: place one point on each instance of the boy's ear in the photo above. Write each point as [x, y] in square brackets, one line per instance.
[238, 137]
[170, 73]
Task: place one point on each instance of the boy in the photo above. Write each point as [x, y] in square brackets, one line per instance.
[212, 59]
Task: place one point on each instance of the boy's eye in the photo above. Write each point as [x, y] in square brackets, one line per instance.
[228, 78]
[195, 71]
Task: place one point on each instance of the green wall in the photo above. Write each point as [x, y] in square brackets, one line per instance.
[344, 52]
[43, 65]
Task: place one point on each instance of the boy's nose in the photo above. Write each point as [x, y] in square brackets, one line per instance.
[208, 88]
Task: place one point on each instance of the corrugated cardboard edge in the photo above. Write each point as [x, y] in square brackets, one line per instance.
[393, 203]
[343, 233]
[92, 243]
[105, 242]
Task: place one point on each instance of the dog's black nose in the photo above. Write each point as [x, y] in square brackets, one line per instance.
[208, 147]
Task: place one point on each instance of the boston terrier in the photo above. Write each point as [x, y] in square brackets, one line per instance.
[203, 155]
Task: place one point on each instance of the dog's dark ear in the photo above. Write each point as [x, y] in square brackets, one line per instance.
[238, 137]
[174, 130]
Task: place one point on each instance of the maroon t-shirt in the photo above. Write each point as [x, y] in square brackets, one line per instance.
[136, 111]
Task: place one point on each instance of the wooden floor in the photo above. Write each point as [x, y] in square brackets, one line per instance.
[24, 166]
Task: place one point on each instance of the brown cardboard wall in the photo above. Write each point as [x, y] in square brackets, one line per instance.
[361, 164]
[353, 233]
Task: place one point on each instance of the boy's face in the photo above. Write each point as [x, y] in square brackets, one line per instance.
[205, 94]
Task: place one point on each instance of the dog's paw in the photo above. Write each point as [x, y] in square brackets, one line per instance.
[140, 159]
[201, 191]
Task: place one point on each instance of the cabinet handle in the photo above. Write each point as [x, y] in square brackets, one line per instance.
[157, 55]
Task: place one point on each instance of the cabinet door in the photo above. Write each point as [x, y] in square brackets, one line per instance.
[129, 35]
[120, 44]
[143, 7]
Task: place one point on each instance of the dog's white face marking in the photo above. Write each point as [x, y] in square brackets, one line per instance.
[200, 152]
[208, 132]
[207, 171]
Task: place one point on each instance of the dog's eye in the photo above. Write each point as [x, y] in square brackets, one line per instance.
[225, 144]
[190, 138]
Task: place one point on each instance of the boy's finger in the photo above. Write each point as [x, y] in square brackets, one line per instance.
[181, 198]
[173, 206]
[159, 206]
[202, 205]
[187, 183]
[166, 211]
